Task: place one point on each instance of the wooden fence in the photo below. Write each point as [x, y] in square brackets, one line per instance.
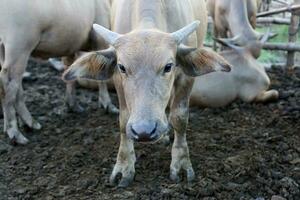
[291, 46]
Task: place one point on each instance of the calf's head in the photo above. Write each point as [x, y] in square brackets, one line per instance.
[147, 62]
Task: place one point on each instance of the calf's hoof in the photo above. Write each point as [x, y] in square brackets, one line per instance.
[127, 176]
[16, 137]
[190, 175]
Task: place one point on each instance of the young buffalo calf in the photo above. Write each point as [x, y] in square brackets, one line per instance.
[151, 68]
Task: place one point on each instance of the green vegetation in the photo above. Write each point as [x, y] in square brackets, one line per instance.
[275, 56]
[209, 36]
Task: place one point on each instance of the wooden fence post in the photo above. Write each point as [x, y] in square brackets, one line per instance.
[293, 35]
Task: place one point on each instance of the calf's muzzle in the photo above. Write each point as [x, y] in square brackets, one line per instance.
[144, 131]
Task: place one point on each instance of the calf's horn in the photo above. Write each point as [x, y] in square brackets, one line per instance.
[109, 36]
[183, 33]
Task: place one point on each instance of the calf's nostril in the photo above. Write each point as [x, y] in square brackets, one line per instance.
[153, 131]
[134, 133]
[144, 131]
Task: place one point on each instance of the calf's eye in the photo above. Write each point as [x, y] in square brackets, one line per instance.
[168, 67]
[122, 68]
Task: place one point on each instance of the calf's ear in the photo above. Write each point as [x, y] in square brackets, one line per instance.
[200, 61]
[98, 65]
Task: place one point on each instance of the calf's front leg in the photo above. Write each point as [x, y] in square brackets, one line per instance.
[126, 155]
[179, 114]
[125, 163]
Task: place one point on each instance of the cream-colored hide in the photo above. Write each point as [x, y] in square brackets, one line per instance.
[151, 67]
[247, 81]
[45, 28]
[236, 20]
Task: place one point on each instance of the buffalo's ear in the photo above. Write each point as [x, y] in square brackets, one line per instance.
[98, 65]
[200, 61]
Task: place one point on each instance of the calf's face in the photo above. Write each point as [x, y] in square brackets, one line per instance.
[147, 62]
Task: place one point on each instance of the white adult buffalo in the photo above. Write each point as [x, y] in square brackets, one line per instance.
[236, 19]
[247, 81]
[45, 28]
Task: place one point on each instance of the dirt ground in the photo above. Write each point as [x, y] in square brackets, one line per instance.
[243, 151]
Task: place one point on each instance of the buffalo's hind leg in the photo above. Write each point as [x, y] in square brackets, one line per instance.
[71, 101]
[105, 100]
[179, 114]
[14, 64]
[23, 111]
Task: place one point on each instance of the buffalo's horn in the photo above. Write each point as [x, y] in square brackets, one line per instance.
[183, 33]
[233, 41]
[109, 36]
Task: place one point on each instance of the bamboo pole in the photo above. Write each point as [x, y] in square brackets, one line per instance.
[273, 46]
[293, 35]
[282, 46]
[282, 2]
[273, 12]
[273, 20]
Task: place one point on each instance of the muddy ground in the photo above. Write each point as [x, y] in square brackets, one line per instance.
[243, 151]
